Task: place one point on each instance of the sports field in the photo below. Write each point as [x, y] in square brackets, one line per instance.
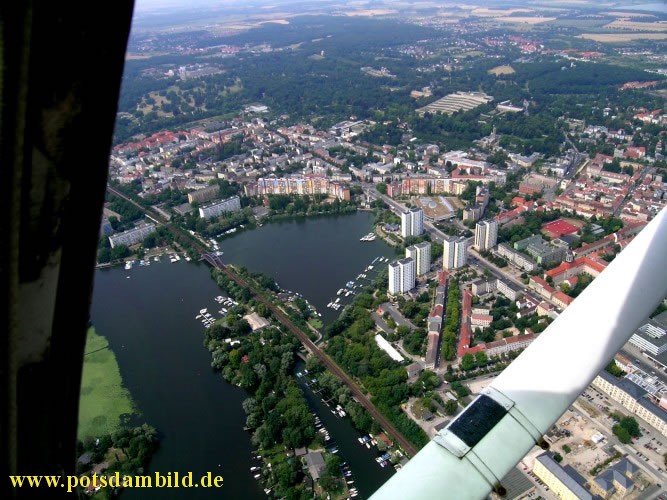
[560, 227]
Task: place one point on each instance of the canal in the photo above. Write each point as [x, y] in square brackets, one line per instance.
[148, 315]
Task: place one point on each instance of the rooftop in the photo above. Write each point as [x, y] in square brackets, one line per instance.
[568, 476]
[625, 385]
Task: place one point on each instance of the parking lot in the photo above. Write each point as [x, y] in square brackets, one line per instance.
[649, 448]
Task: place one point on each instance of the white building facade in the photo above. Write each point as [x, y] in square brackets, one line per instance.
[454, 252]
[412, 222]
[486, 234]
[421, 254]
[402, 276]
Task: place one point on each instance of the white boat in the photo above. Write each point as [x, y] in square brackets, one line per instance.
[198, 316]
[128, 266]
[203, 311]
[257, 476]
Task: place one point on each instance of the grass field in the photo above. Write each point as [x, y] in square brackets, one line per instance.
[316, 323]
[103, 398]
[525, 20]
[636, 26]
[622, 37]
[501, 70]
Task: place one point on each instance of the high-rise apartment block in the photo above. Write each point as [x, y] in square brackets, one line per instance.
[412, 222]
[454, 252]
[401, 276]
[486, 234]
[421, 254]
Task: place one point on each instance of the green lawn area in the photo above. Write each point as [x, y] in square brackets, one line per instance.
[316, 323]
[103, 397]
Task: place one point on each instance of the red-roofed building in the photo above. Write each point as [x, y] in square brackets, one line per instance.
[567, 270]
[561, 300]
[497, 347]
[589, 248]
[635, 152]
[436, 312]
[510, 215]
[528, 189]
[383, 437]
[541, 286]
[483, 320]
[572, 281]
[442, 278]
[465, 334]
[544, 309]
[559, 227]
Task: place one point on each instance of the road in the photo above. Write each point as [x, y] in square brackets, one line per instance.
[397, 316]
[303, 338]
[631, 191]
[437, 235]
[651, 461]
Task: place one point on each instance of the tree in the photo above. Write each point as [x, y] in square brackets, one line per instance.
[467, 362]
[381, 187]
[481, 359]
[614, 369]
[622, 434]
[262, 310]
[333, 464]
[104, 255]
[429, 380]
[460, 389]
[119, 252]
[631, 425]
[451, 407]
[402, 330]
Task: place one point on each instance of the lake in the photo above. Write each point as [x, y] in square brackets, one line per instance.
[148, 316]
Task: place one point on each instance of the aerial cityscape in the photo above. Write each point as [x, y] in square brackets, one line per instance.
[329, 226]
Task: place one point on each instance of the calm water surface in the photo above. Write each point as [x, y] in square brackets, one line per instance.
[148, 315]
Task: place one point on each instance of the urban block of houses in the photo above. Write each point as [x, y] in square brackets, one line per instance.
[132, 236]
[564, 482]
[567, 270]
[633, 398]
[299, 185]
[517, 258]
